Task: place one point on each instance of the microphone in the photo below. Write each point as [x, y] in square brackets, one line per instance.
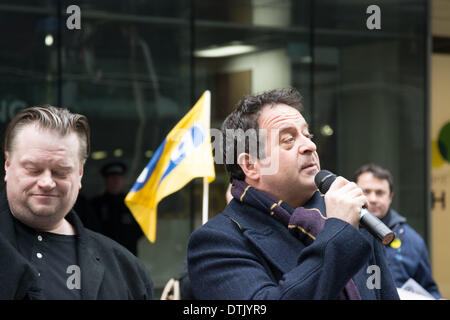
[375, 226]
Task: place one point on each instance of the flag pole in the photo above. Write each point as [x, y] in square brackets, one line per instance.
[205, 179]
[205, 200]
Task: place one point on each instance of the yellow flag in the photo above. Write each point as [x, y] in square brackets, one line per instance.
[185, 153]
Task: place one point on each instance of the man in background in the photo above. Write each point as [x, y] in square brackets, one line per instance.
[407, 254]
[116, 220]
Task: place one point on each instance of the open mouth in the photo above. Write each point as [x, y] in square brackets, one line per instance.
[308, 166]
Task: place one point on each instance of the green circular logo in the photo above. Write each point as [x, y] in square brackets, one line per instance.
[444, 142]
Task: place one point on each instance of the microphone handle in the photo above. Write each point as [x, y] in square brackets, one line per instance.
[376, 227]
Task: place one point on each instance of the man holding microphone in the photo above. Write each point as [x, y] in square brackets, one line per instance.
[279, 238]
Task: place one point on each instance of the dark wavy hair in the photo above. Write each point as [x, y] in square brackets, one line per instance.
[378, 172]
[245, 117]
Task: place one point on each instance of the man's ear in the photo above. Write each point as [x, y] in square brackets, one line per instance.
[81, 172]
[7, 164]
[250, 165]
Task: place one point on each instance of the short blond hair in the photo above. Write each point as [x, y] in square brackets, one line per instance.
[50, 117]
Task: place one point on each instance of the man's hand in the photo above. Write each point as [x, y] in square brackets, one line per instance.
[344, 200]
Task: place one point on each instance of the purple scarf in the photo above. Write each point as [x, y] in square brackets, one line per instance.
[304, 224]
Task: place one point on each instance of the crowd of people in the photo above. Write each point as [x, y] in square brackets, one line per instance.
[278, 237]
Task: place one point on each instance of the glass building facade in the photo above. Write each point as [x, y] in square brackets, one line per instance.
[134, 68]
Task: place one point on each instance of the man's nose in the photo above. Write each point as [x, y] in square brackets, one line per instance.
[306, 145]
[46, 180]
[372, 197]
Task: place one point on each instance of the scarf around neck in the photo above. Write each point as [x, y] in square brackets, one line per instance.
[304, 224]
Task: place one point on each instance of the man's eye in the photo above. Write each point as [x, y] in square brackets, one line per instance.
[32, 170]
[288, 140]
[59, 174]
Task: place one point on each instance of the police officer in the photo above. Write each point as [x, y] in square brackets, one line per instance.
[117, 222]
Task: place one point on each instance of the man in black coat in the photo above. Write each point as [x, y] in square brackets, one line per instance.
[116, 220]
[279, 238]
[46, 253]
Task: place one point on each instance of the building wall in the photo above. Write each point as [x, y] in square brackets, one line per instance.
[440, 142]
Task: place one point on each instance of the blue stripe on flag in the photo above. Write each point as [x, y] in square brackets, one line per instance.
[148, 170]
[191, 140]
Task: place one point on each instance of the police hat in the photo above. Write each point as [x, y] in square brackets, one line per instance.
[113, 168]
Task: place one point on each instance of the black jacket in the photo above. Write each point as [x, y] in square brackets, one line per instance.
[108, 270]
[244, 253]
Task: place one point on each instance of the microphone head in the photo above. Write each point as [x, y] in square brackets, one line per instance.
[324, 179]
